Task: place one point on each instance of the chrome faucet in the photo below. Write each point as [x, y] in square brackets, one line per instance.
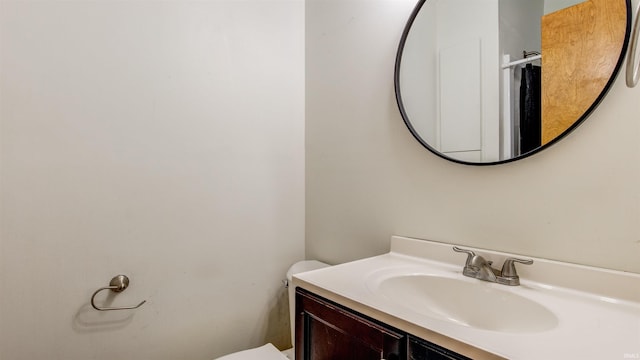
[478, 267]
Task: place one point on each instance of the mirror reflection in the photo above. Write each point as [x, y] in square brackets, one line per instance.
[490, 81]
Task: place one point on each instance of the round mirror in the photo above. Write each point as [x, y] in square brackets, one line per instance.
[486, 82]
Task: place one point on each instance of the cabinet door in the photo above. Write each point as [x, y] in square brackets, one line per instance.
[328, 331]
[423, 350]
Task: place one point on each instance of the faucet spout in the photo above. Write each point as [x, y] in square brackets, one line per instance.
[479, 268]
[487, 273]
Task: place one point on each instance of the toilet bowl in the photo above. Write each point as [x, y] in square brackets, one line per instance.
[268, 351]
[265, 352]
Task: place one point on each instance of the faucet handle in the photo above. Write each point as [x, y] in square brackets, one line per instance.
[509, 268]
[470, 254]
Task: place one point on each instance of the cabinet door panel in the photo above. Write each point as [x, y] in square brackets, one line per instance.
[327, 331]
[422, 350]
[333, 343]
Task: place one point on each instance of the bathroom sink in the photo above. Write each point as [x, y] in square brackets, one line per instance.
[466, 302]
[419, 288]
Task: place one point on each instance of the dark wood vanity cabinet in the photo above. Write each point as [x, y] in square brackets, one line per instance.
[328, 331]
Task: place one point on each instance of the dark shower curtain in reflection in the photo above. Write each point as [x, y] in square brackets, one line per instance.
[530, 108]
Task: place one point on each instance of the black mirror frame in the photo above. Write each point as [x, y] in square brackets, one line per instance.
[577, 123]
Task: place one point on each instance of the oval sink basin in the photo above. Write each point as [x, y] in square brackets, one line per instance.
[472, 303]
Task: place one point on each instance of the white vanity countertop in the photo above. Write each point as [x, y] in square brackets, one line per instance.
[597, 311]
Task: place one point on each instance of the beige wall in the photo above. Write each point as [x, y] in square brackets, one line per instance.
[367, 178]
[127, 146]
[161, 140]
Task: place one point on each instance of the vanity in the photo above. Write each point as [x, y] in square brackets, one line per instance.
[332, 331]
[415, 303]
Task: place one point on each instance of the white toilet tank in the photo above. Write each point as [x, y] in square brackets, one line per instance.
[299, 267]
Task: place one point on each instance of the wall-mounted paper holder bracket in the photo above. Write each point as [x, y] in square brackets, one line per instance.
[118, 284]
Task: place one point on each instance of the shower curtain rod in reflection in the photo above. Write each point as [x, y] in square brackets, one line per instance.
[523, 61]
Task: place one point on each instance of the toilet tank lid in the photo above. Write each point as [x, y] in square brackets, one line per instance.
[305, 265]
